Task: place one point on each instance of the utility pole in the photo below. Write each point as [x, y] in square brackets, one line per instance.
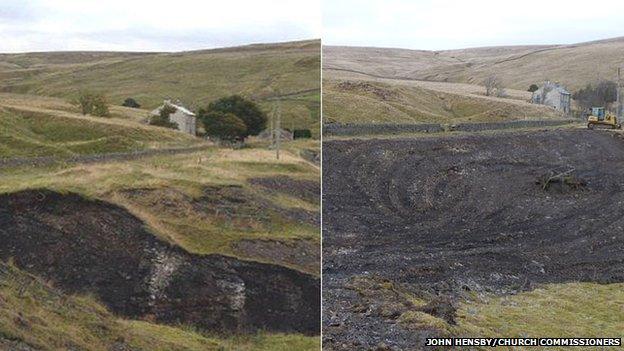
[272, 127]
[276, 121]
[279, 126]
[619, 95]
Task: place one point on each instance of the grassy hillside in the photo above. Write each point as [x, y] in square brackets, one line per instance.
[206, 201]
[195, 77]
[545, 311]
[27, 132]
[34, 314]
[517, 66]
[394, 101]
[384, 85]
[548, 311]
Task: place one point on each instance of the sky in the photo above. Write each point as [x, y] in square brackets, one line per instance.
[131, 25]
[455, 24]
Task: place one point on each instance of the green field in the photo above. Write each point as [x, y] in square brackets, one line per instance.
[29, 133]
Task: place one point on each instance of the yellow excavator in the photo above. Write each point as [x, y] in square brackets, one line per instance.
[599, 118]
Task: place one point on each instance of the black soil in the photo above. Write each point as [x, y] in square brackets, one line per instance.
[443, 216]
[307, 190]
[90, 246]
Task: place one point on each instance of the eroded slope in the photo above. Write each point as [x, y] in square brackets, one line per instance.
[89, 246]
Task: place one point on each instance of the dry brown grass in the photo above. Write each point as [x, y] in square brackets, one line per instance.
[517, 66]
[380, 100]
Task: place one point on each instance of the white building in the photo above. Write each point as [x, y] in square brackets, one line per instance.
[186, 120]
[553, 95]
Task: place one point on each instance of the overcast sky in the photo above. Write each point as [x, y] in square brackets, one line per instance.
[130, 25]
[455, 24]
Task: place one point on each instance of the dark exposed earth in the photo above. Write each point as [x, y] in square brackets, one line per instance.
[93, 247]
[446, 216]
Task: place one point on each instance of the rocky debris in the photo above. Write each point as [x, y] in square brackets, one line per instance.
[94, 247]
[450, 216]
[164, 264]
[565, 179]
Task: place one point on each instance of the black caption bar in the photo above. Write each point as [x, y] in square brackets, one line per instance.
[494, 342]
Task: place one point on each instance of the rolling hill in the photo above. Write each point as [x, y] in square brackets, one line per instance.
[517, 66]
[386, 85]
[31, 126]
[356, 99]
[260, 72]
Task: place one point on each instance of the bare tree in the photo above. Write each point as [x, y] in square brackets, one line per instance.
[492, 84]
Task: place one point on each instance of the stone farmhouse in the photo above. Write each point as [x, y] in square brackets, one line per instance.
[553, 95]
[186, 120]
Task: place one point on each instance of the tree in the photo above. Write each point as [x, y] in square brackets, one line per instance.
[302, 134]
[255, 120]
[92, 104]
[225, 126]
[603, 94]
[130, 102]
[492, 85]
[533, 88]
[162, 119]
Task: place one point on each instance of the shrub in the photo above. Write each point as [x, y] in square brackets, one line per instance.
[130, 102]
[162, 119]
[247, 111]
[92, 104]
[302, 134]
[100, 106]
[224, 126]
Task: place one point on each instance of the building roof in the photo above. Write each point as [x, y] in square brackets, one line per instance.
[553, 86]
[176, 106]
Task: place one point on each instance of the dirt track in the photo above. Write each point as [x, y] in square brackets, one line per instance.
[442, 216]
